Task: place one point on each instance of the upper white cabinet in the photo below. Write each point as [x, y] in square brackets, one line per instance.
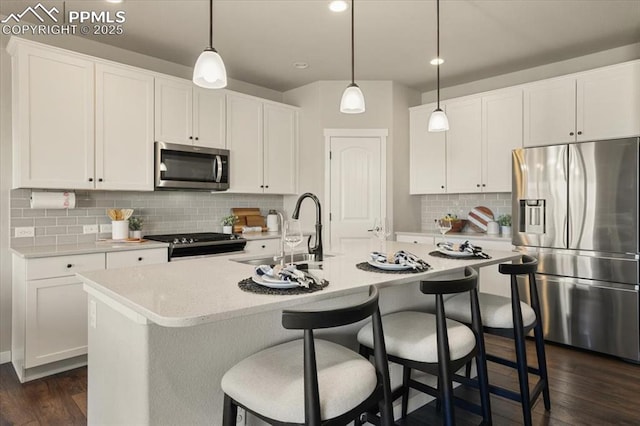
[187, 114]
[464, 145]
[80, 124]
[261, 137]
[124, 129]
[53, 118]
[598, 104]
[427, 154]
[501, 134]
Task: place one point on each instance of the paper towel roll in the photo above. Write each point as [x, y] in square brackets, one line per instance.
[53, 200]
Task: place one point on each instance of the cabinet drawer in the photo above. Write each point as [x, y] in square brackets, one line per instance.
[62, 266]
[415, 239]
[124, 259]
[270, 246]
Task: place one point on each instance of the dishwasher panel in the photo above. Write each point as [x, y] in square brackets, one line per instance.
[594, 315]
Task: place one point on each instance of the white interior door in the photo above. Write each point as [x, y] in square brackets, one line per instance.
[357, 191]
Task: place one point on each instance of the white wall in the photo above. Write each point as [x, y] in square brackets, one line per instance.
[88, 47]
[387, 106]
[578, 64]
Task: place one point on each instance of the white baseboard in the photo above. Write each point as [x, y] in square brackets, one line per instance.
[5, 357]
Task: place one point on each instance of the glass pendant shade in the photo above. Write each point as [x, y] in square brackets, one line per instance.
[210, 72]
[438, 122]
[352, 100]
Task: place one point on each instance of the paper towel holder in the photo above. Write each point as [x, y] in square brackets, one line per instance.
[52, 200]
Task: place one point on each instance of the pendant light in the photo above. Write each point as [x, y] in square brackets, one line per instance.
[352, 101]
[209, 71]
[438, 122]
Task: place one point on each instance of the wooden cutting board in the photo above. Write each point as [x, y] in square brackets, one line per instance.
[479, 217]
[248, 216]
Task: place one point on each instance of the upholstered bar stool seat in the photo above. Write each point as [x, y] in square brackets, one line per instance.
[496, 311]
[271, 382]
[403, 339]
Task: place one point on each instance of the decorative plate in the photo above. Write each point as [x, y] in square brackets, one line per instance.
[479, 217]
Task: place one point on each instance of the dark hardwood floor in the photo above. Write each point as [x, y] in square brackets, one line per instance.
[586, 389]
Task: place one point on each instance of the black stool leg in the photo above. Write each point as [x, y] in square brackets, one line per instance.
[444, 369]
[539, 337]
[481, 359]
[406, 376]
[230, 412]
[521, 352]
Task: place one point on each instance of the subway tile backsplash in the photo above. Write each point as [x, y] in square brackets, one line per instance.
[163, 212]
[437, 205]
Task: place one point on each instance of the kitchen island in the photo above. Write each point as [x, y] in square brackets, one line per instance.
[162, 336]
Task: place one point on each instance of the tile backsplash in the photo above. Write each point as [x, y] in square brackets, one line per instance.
[162, 212]
[437, 205]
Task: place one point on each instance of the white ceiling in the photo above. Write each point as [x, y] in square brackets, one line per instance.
[259, 40]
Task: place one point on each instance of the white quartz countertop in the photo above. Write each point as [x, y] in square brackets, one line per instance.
[198, 291]
[84, 248]
[250, 236]
[465, 235]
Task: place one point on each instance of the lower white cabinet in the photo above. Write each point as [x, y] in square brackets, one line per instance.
[267, 247]
[415, 239]
[49, 318]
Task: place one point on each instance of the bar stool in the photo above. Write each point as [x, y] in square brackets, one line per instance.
[511, 318]
[313, 381]
[436, 345]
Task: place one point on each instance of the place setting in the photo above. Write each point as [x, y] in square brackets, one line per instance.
[400, 262]
[465, 250]
[285, 279]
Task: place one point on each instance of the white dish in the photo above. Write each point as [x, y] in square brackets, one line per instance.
[389, 266]
[276, 284]
[452, 253]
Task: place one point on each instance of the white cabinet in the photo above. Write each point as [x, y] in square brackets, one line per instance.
[464, 145]
[124, 259]
[427, 168]
[598, 104]
[501, 134]
[78, 123]
[124, 129]
[264, 246]
[189, 115]
[262, 139]
[53, 118]
[49, 318]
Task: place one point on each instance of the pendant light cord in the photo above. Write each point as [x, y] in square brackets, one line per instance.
[211, 24]
[353, 56]
[438, 48]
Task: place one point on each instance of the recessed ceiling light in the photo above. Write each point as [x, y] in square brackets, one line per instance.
[338, 6]
[437, 61]
[300, 65]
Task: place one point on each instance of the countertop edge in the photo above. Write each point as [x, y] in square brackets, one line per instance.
[469, 235]
[34, 252]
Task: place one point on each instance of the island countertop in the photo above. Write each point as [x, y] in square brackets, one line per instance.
[199, 291]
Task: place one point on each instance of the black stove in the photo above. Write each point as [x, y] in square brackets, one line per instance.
[200, 243]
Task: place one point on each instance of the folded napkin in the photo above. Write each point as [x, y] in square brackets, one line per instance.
[403, 258]
[465, 247]
[288, 273]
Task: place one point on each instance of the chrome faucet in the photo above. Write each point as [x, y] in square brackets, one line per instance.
[315, 251]
[280, 255]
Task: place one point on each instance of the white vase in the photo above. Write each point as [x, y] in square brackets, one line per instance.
[135, 234]
[119, 229]
[227, 229]
[506, 230]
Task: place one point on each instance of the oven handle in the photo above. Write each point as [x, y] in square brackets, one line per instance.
[218, 163]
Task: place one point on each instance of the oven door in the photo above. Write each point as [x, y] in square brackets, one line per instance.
[191, 167]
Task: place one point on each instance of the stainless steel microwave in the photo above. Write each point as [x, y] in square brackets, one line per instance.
[190, 167]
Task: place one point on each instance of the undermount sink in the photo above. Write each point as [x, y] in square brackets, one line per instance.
[268, 260]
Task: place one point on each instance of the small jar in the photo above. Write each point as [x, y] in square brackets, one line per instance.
[272, 221]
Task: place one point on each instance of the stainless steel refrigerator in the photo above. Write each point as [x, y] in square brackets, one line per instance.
[575, 207]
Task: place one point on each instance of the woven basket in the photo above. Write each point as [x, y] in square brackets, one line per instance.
[458, 224]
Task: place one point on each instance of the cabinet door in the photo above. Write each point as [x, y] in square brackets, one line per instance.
[53, 108]
[464, 146]
[56, 323]
[280, 165]
[550, 112]
[124, 129]
[209, 118]
[501, 133]
[609, 103]
[173, 111]
[244, 140]
[427, 165]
